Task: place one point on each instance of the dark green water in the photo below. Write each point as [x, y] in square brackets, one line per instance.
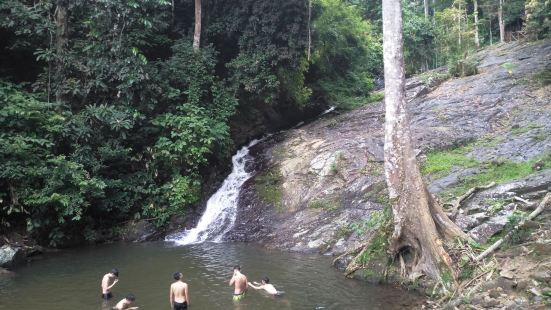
[71, 279]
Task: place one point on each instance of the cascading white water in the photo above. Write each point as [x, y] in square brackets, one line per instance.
[221, 209]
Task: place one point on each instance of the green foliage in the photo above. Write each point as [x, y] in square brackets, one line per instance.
[460, 67]
[324, 204]
[265, 43]
[380, 224]
[433, 78]
[377, 247]
[513, 221]
[180, 191]
[419, 40]
[376, 220]
[544, 77]
[509, 67]
[538, 18]
[439, 163]
[495, 205]
[346, 54]
[49, 193]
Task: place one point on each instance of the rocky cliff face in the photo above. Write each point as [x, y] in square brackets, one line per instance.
[316, 183]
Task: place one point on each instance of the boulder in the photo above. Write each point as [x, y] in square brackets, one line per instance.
[11, 255]
[138, 231]
[484, 232]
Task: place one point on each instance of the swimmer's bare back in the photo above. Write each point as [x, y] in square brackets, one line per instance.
[239, 281]
[179, 292]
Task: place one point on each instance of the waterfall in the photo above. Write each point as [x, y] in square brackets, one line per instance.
[221, 209]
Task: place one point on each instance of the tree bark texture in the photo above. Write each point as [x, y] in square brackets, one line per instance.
[420, 225]
[197, 33]
[309, 51]
[501, 22]
[426, 8]
[476, 38]
[61, 41]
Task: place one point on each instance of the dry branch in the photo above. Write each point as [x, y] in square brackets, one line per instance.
[528, 203]
[457, 203]
[530, 217]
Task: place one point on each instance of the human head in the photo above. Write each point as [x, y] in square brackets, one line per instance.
[115, 272]
[265, 280]
[130, 297]
[237, 267]
[177, 276]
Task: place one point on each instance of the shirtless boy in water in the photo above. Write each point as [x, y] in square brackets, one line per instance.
[125, 303]
[179, 296]
[109, 280]
[239, 281]
[265, 285]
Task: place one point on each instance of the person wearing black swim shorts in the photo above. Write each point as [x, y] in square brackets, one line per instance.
[109, 280]
[179, 294]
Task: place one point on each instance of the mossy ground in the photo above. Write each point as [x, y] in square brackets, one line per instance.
[324, 204]
[268, 187]
[440, 163]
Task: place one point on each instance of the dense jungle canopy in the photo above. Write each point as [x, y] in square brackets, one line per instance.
[110, 112]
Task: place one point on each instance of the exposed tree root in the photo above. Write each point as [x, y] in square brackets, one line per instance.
[422, 240]
[457, 203]
[530, 217]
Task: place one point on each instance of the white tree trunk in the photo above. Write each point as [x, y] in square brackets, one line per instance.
[476, 38]
[309, 29]
[197, 33]
[459, 25]
[501, 22]
[426, 7]
[419, 222]
[61, 41]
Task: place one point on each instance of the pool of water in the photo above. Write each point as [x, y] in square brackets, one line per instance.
[71, 279]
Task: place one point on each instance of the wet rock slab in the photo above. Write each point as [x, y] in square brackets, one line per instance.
[331, 169]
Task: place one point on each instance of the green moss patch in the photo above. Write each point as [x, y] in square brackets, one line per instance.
[498, 172]
[324, 204]
[268, 187]
[440, 163]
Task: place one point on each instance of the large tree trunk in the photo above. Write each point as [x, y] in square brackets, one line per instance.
[501, 22]
[61, 40]
[476, 39]
[420, 225]
[308, 53]
[426, 7]
[197, 33]
[459, 25]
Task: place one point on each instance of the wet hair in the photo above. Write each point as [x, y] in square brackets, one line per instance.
[177, 275]
[237, 267]
[131, 297]
[266, 279]
[115, 271]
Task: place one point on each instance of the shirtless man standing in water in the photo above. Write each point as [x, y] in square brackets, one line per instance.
[239, 281]
[109, 280]
[179, 296]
